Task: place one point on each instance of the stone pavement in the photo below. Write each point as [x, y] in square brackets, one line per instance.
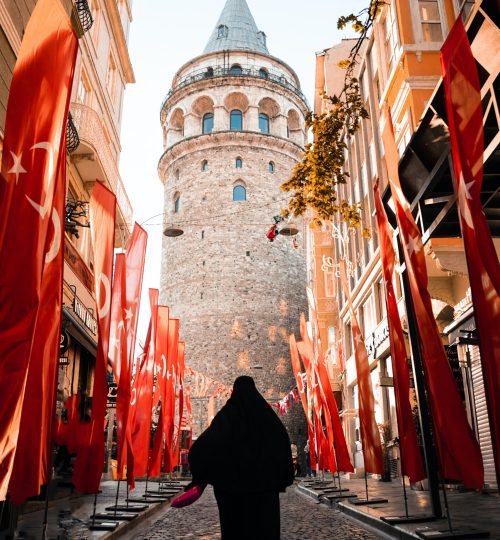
[301, 518]
[68, 517]
[468, 509]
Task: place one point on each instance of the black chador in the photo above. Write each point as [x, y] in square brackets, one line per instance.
[245, 454]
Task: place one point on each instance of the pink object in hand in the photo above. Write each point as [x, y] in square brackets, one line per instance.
[189, 496]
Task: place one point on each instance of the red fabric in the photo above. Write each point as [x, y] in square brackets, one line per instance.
[411, 461]
[134, 271]
[37, 112]
[370, 434]
[142, 395]
[33, 461]
[459, 452]
[66, 432]
[465, 121]
[161, 352]
[334, 430]
[180, 393]
[173, 348]
[89, 461]
[301, 387]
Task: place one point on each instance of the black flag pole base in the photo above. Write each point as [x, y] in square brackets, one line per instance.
[116, 516]
[397, 520]
[337, 497]
[459, 532]
[329, 491]
[368, 502]
[102, 526]
[137, 508]
[144, 499]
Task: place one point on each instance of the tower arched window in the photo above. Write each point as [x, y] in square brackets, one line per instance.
[264, 123]
[177, 203]
[271, 167]
[208, 123]
[236, 120]
[235, 69]
[239, 163]
[204, 165]
[239, 193]
[263, 73]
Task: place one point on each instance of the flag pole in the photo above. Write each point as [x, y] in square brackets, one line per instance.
[431, 462]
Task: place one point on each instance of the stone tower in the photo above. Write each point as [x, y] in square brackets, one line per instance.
[233, 129]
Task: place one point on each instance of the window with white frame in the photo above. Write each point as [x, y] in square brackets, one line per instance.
[465, 7]
[111, 77]
[391, 36]
[84, 89]
[329, 276]
[430, 19]
[96, 15]
[369, 318]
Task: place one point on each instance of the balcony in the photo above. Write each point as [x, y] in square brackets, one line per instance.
[252, 72]
[94, 159]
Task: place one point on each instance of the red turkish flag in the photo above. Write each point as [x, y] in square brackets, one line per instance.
[33, 461]
[90, 457]
[459, 452]
[123, 335]
[189, 414]
[465, 121]
[411, 460]
[370, 434]
[343, 460]
[300, 377]
[142, 396]
[161, 352]
[169, 411]
[180, 393]
[33, 148]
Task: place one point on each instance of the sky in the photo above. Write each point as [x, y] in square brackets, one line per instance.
[163, 36]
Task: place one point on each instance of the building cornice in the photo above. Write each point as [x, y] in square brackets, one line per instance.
[227, 139]
[120, 40]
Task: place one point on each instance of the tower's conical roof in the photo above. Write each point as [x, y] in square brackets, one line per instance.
[236, 29]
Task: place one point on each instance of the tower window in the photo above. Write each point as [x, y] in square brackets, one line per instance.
[262, 37]
[235, 70]
[239, 193]
[236, 120]
[239, 163]
[208, 123]
[263, 73]
[204, 165]
[209, 72]
[271, 167]
[222, 31]
[202, 235]
[264, 123]
[177, 203]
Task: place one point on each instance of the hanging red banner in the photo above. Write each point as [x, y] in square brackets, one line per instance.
[411, 462]
[465, 122]
[142, 396]
[168, 417]
[32, 152]
[458, 449]
[89, 461]
[33, 461]
[370, 434]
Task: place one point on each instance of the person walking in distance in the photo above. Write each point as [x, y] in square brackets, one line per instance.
[245, 454]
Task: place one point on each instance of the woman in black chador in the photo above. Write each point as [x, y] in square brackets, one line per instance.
[245, 454]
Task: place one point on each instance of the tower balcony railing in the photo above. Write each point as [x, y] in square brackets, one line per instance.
[254, 72]
[91, 132]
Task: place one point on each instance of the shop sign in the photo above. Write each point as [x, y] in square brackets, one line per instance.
[112, 393]
[77, 264]
[64, 360]
[386, 381]
[84, 315]
[65, 341]
[375, 340]
[463, 304]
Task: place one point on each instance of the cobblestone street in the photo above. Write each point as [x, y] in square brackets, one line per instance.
[301, 518]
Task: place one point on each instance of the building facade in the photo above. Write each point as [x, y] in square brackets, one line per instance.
[102, 71]
[399, 68]
[233, 125]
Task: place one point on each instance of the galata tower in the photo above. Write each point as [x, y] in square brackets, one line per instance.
[233, 129]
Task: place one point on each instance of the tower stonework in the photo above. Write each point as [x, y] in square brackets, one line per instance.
[233, 129]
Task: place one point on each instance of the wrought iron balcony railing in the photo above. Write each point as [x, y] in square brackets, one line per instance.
[254, 72]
